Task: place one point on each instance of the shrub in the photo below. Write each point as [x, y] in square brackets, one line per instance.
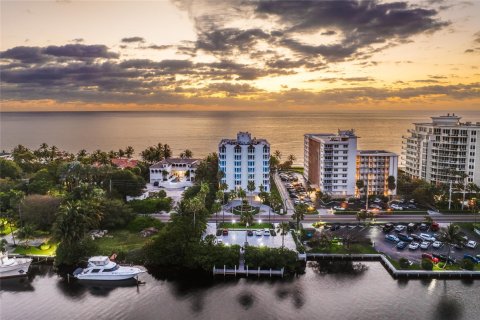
[467, 264]
[151, 205]
[115, 214]
[72, 254]
[266, 258]
[404, 263]
[45, 246]
[143, 222]
[40, 210]
[427, 264]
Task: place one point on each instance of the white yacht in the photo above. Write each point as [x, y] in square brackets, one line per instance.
[13, 267]
[101, 268]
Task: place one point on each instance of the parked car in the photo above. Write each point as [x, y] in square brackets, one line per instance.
[396, 207]
[219, 241]
[377, 200]
[424, 245]
[427, 237]
[400, 228]
[334, 227]
[401, 245]
[375, 206]
[430, 257]
[413, 246]
[443, 258]
[416, 237]
[249, 233]
[411, 227]
[472, 258]
[434, 226]
[339, 208]
[258, 232]
[388, 227]
[225, 232]
[266, 232]
[404, 237]
[471, 244]
[423, 227]
[391, 237]
[437, 244]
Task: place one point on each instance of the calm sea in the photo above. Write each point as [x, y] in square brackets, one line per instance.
[372, 294]
[201, 131]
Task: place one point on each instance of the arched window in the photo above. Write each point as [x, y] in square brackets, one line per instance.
[238, 149]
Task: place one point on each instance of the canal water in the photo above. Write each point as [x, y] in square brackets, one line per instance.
[331, 291]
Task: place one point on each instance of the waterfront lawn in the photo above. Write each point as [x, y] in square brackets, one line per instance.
[5, 227]
[120, 241]
[52, 249]
[238, 225]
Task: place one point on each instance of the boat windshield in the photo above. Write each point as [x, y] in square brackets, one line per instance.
[111, 269]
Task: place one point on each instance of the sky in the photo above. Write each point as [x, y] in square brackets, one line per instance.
[239, 55]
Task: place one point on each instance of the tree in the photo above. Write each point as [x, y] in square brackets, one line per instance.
[277, 154]
[275, 201]
[115, 214]
[39, 211]
[283, 229]
[450, 235]
[74, 219]
[167, 151]
[251, 188]
[41, 182]
[26, 233]
[186, 154]
[125, 183]
[360, 184]
[9, 169]
[129, 151]
[391, 184]
[291, 158]
[299, 215]
[362, 215]
[247, 218]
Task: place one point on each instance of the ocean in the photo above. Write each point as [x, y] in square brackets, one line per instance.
[201, 131]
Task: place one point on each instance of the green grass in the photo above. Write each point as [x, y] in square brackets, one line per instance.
[36, 251]
[340, 249]
[121, 241]
[236, 210]
[6, 228]
[237, 225]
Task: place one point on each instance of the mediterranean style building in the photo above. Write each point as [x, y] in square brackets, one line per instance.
[245, 159]
[333, 165]
[443, 151]
[173, 173]
[374, 167]
[330, 160]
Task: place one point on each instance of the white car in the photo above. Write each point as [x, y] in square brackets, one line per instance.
[266, 232]
[338, 208]
[219, 241]
[424, 245]
[413, 246]
[471, 244]
[259, 232]
[437, 244]
[396, 207]
[400, 228]
[427, 237]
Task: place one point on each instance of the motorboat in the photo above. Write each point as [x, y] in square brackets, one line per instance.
[102, 268]
[13, 267]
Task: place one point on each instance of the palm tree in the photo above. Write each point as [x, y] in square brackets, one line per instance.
[283, 230]
[121, 153]
[247, 218]
[391, 184]
[277, 154]
[291, 158]
[186, 154]
[451, 236]
[129, 151]
[251, 188]
[299, 215]
[53, 152]
[167, 151]
[360, 184]
[27, 233]
[275, 201]
[194, 205]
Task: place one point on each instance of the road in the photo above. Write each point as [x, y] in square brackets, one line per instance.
[284, 194]
[353, 219]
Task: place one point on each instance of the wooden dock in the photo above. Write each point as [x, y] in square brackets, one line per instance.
[447, 274]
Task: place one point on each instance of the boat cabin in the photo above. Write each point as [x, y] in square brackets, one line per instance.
[99, 261]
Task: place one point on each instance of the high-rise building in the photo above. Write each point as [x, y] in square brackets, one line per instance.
[245, 159]
[374, 167]
[443, 151]
[330, 161]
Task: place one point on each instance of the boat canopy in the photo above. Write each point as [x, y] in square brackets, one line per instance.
[99, 260]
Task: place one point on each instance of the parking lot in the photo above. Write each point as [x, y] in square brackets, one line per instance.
[238, 237]
[377, 236]
[296, 188]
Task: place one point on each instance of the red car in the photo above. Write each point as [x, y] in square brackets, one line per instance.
[434, 226]
[225, 232]
[429, 257]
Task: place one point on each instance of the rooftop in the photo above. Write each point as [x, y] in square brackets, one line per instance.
[243, 138]
[449, 120]
[175, 161]
[376, 153]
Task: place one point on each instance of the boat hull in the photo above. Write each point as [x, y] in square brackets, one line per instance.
[106, 277]
[19, 269]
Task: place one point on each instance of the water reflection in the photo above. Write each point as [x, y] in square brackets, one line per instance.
[246, 300]
[338, 267]
[18, 284]
[448, 308]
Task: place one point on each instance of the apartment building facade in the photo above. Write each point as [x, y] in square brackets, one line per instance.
[245, 159]
[443, 151]
[330, 162]
[374, 167]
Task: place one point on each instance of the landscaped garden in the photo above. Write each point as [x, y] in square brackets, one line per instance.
[45, 249]
[243, 208]
[5, 227]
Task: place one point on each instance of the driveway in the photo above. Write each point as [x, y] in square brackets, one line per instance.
[284, 194]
